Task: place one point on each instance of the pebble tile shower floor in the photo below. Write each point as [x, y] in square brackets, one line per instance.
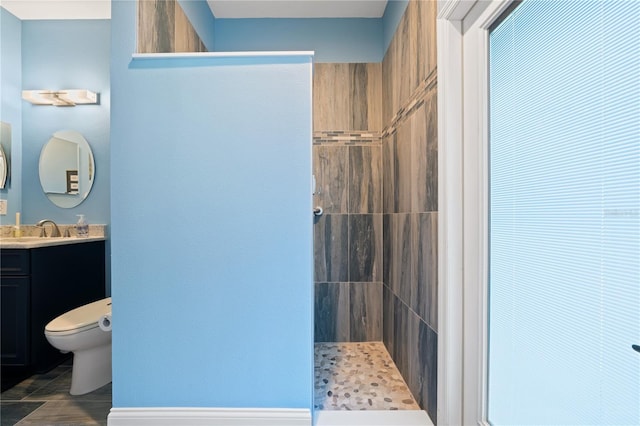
[358, 376]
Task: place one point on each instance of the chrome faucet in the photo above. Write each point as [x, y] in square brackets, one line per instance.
[55, 231]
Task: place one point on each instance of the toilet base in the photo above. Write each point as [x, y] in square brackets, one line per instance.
[91, 369]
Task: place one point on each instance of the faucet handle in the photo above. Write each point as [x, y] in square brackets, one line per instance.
[67, 232]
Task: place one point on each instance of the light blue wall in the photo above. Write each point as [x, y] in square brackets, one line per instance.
[211, 229]
[392, 15]
[333, 40]
[202, 19]
[66, 55]
[10, 107]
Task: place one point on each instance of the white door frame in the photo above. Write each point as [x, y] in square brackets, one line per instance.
[463, 34]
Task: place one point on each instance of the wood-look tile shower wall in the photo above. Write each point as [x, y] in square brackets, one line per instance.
[347, 163]
[375, 157]
[163, 27]
[410, 201]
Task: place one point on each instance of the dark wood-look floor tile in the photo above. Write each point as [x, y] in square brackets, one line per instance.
[33, 383]
[69, 413]
[14, 411]
[44, 399]
[58, 389]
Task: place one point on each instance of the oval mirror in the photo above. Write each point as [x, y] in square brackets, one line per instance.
[66, 169]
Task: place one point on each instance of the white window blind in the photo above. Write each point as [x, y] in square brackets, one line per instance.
[564, 268]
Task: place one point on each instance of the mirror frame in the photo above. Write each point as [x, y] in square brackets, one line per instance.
[5, 152]
[3, 168]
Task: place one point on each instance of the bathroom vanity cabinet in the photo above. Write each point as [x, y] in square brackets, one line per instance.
[37, 285]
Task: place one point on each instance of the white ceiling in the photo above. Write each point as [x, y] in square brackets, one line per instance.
[58, 9]
[101, 9]
[298, 8]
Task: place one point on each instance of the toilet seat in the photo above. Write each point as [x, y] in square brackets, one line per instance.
[80, 319]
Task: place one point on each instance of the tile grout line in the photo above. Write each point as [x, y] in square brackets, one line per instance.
[428, 324]
[31, 413]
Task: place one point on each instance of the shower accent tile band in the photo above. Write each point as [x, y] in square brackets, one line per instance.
[413, 103]
[339, 137]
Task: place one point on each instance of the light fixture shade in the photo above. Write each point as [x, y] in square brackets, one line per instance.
[38, 97]
[78, 96]
[65, 97]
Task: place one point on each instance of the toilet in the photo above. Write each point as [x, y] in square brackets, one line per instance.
[78, 331]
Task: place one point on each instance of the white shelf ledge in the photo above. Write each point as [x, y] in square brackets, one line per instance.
[221, 55]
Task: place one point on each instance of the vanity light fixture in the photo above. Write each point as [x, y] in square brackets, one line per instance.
[66, 97]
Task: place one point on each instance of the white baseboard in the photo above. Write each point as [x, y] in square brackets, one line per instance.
[165, 416]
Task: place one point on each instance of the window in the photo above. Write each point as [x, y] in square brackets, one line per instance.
[564, 226]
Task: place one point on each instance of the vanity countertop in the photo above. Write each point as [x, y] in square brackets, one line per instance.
[30, 236]
[36, 242]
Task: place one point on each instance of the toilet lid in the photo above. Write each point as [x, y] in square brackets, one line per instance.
[81, 317]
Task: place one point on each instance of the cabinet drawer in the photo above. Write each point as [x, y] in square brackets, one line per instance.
[14, 262]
